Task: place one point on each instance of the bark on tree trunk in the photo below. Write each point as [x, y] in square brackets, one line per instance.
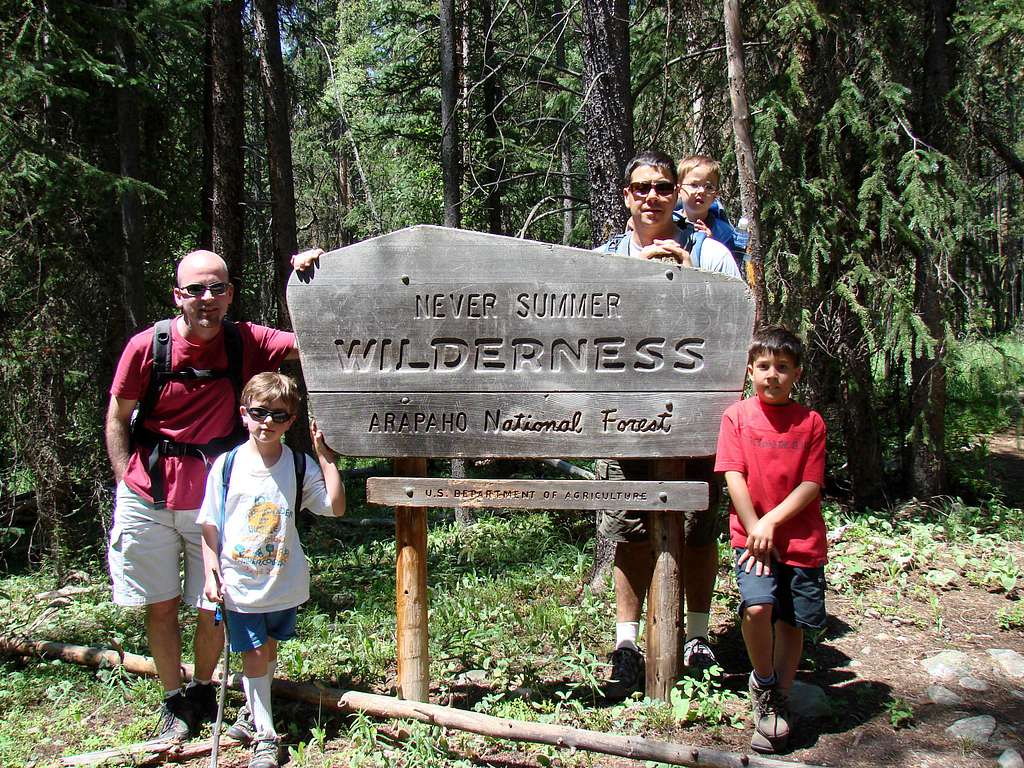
[928, 389]
[274, 86]
[227, 121]
[607, 111]
[564, 143]
[450, 162]
[745, 164]
[132, 271]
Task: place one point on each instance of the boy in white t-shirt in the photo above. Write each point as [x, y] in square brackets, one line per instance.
[252, 557]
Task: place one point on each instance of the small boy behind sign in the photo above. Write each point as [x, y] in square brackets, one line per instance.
[772, 451]
[252, 556]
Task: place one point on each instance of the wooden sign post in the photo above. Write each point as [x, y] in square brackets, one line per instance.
[448, 343]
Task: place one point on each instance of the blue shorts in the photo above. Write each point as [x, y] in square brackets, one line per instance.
[248, 631]
[798, 594]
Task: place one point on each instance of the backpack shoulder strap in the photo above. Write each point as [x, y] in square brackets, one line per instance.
[225, 478]
[159, 369]
[299, 458]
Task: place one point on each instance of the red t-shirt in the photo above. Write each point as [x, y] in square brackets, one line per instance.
[191, 411]
[777, 447]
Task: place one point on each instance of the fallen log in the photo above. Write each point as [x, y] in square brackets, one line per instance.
[148, 752]
[564, 737]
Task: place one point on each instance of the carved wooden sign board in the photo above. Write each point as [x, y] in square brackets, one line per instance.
[433, 342]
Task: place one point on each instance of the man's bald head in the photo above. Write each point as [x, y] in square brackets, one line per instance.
[201, 262]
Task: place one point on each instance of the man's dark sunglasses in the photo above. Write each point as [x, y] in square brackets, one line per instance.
[260, 414]
[196, 290]
[643, 188]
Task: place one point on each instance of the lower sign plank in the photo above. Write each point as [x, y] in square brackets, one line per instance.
[651, 496]
[521, 424]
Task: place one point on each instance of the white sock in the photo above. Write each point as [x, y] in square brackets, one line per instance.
[697, 625]
[272, 669]
[626, 633]
[175, 692]
[257, 693]
[196, 681]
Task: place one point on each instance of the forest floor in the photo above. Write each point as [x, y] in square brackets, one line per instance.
[512, 635]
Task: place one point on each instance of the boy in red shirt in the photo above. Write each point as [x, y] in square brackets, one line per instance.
[772, 451]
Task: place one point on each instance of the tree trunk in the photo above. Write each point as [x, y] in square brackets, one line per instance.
[132, 256]
[607, 111]
[228, 135]
[450, 162]
[274, 85]
[928, 388]
[564, 144]
[745, 164]
[490, 174]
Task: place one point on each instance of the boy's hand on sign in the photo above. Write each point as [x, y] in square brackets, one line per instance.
[319, 443]
[303, 261]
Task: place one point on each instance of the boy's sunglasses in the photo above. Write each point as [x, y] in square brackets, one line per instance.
[643, 188]
[708, 187]
[196, 290]
[260, 414]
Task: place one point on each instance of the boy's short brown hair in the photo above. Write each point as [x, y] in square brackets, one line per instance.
[692, 162]
[773, 339]
[268, 387]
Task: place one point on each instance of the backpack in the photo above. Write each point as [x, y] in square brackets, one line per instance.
[156, 443]
[298, 459]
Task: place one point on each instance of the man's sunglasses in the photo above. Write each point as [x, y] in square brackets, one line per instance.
[643, 188]
[196, 290]
[260, 414]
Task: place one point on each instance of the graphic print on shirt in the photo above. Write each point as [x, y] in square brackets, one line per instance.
[262, 549]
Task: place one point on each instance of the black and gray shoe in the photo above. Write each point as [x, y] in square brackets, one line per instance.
[265, 752]
[628, 673]
[698, 656]
[244, 727]
[177, 720]
[203, 701]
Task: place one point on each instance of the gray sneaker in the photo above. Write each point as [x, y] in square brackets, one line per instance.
[265, 752]
[698, 656]
[244, 727]
[628, 673]
[770, 713]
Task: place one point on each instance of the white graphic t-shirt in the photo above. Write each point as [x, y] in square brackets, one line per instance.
[262, 563]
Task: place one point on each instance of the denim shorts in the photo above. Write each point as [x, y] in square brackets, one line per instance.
[700, 527]
[798, 594]
[249, 631]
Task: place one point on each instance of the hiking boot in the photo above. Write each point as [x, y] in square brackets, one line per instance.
[244, 728]
[628, 674]
[265, 752]
[770, 713]
[176, 721]
[203, 701]
[698, 656]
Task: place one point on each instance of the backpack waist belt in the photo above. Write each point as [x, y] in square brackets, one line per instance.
[159, 446]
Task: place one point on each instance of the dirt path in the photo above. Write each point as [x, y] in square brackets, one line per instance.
[1006, 465]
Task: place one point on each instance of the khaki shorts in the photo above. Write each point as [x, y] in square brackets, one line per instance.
[700, 527]
[146, 547]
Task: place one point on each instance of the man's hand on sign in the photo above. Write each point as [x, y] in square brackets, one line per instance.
[307, 259]
[667, 250]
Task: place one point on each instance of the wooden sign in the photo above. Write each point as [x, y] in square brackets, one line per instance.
[445, 343]
[652, 496]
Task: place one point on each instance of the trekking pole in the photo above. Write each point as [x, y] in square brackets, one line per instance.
[218, 618]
